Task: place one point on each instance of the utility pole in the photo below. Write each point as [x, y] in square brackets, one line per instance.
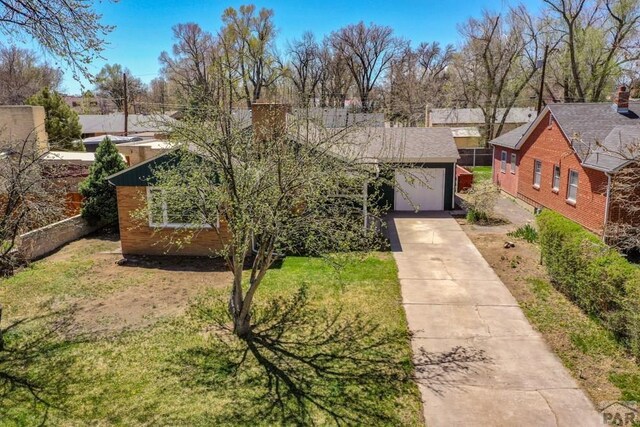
[126, 106]
[544, 69]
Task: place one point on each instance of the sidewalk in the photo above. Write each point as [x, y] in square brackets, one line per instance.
[453, 298]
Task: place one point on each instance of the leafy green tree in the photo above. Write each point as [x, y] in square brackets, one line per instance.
[99, 204]
[62, 124]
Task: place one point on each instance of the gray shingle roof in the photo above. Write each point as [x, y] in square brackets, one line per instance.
[589, 125]
[454, 116]
[114, 123]
[512, 138]
[617, 149]
[340, 117]
[404, 144]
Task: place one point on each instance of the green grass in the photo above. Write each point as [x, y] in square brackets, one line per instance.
[588, 349]
[172, 373]
[481, 173]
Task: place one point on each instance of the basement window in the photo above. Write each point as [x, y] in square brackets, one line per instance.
[166, 211]
[572, 187]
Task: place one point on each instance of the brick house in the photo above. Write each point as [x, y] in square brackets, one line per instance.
[564, 160]
[430, 153]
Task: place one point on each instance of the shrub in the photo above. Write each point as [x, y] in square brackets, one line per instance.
[593, 275]
[99, 204]
[526, 232]
[480, 201]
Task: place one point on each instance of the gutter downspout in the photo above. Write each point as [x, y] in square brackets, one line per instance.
[607, 206]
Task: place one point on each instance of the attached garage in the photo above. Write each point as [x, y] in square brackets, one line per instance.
[421, 163]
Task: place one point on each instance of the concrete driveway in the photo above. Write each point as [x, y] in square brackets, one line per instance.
[457, 305]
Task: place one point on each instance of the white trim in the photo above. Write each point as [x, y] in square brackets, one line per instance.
[554, 187]
[503, 161]
[575, 199]
[165, 215]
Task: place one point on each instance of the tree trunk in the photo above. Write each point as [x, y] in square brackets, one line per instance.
[242, 326]
[1, 335]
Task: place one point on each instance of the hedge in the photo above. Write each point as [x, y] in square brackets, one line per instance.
[594, 276]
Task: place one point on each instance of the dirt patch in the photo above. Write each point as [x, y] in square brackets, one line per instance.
[144, 304]
[516, 266]
[135, 294]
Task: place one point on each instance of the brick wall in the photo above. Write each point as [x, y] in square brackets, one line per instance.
[464, 179]
[137, 238]
[552, 148]
[42, 241]
[507, 180]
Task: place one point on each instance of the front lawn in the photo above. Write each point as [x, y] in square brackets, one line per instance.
[135, 344]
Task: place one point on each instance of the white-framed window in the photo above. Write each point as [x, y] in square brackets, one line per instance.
[514, 158]
[503, 162]
[165, 214]
[537, 173]
[556, 178]
[572, 186]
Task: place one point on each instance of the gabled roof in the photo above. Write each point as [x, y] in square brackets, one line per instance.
[602, 137]
[141, 174]
[405, 144]
[454, 116]
[512, 138]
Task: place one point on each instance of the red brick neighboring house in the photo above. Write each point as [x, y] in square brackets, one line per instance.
[565, 159]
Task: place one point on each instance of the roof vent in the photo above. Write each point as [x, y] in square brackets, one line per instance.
[621, 100]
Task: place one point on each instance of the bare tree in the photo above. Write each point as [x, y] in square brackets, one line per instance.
[368, 52]
[496, 62]
[29, 197]
[336, 79]
[599, 41]
[22, 75]
[289, 192]
[110, 84]
[416, 78]
[69, 29]
[249, 38]
[306, 67]
[189, 66]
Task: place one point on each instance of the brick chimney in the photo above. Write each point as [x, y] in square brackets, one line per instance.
[621, 100]
[269, 119]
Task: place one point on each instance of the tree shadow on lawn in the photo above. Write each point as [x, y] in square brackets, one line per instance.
[34, 366]
[307, 365]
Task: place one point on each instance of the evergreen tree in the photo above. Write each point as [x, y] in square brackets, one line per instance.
[99, 204]
[62, 124]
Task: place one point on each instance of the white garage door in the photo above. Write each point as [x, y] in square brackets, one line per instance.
[422, 188]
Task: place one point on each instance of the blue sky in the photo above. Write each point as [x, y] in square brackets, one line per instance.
[143, 27]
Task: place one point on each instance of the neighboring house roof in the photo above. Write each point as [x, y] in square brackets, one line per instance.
[340, 117]
[453, 116]
[466, 132]
[603, 138]
[70, 156]
[95, 140]
[156, 144]
[114, 123]
[512, 138]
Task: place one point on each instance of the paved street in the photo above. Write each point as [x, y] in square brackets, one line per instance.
[453, 298]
